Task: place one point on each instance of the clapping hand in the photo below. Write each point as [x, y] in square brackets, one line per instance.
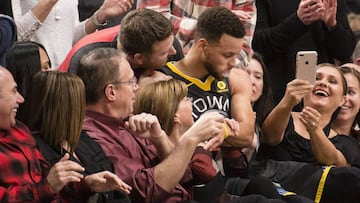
[112, 8]
[329, 16]
[310, 11]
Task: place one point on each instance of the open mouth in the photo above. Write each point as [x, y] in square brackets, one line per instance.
[321, 93]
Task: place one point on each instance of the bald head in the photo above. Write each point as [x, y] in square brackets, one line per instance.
[4, 76]
[2, 69]
[9, 99]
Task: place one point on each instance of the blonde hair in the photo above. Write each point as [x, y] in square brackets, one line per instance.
[161, 99]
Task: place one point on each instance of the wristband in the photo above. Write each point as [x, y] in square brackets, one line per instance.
[226, 130]
[96, 21]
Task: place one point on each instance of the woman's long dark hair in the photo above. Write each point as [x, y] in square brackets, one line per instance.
[23, 62]
[265, 103]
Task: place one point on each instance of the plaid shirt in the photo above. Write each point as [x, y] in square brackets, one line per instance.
[22, 177]
[183, 14]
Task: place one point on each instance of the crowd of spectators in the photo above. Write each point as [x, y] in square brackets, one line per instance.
[179, 101]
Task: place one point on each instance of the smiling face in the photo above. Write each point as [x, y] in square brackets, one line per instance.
[9, 99]
[328, 91]
[351, 107]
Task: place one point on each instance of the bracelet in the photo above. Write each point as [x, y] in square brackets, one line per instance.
[96, 21]
[226, 130]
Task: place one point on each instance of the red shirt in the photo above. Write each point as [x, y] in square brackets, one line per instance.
[134, 159]
[23, 168]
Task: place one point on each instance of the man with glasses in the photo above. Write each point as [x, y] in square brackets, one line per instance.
[142, 154]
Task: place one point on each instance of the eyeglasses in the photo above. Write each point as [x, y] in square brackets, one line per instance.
[132, 82]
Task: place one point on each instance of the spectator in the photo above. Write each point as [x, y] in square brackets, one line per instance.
[67, 92]
[262, 103]
[7, 35]
[284, 28]
[184, 16]
[140, 150]
[25, 175]
[145, 51]
[354, 22]
[306, 136]
[347, 121]
[55, 23]
[168, 101]
[300, 177]
[261, 98]
[24, 60]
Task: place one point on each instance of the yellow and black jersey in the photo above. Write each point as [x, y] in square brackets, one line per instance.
[208, 94]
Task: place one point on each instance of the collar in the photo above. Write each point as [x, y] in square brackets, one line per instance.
[109, 121]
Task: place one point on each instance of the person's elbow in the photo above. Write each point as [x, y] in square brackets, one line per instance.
[270, 140]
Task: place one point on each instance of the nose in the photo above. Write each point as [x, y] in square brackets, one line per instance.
[232, 62]
[19, 99]
[322, 82]
[252, 79]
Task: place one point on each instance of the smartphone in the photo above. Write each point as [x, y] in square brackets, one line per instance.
[306, 62]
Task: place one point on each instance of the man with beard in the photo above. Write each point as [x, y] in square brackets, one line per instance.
[144, 35]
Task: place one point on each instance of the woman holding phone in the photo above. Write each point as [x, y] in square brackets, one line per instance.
[306, 136]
